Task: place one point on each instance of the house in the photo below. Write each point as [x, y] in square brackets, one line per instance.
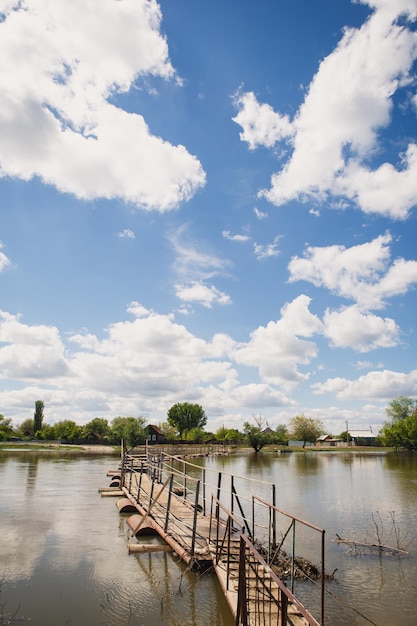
[328, 440]
[155, 434]
[362, 437]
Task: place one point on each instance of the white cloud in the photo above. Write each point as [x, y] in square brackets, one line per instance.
[31, 352]
[126, 233]
[277, 350]
[335, 132]
[367, 365]
[261, 125]
[360, 273]
[261, 215]
[268, 250]
[62, 64]
[383, 385]
[349, 328]
[143, 366]
[192, 262]
[138, 310]
[228, 235]
[4, 261]
[199, 292]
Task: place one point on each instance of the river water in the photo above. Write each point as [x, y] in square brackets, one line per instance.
[63, 548]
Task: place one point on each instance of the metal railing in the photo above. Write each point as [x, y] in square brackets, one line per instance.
[262, 598]
[232, 515]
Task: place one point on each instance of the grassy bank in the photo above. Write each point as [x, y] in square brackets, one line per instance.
[38, 446]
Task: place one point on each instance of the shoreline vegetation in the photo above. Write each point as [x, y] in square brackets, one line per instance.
[36, 446]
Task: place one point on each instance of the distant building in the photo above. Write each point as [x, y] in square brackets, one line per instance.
[328, 440]
[362, 437]
[356, 438]
[155, 434]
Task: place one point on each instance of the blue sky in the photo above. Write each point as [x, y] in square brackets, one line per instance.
[210, 202]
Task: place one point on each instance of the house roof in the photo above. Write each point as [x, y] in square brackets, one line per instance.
[156, 429]
[362, 433]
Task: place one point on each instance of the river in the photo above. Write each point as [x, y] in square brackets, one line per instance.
[63, 548]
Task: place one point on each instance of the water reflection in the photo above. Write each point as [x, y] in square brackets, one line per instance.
[32, 472]
[63, 554]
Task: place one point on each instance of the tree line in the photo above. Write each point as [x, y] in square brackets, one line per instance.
[186, 422]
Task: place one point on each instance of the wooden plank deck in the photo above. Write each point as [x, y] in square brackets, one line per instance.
[196, 549]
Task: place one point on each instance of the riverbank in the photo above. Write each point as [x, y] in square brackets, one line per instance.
[35, 446]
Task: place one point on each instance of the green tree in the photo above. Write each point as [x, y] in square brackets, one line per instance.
[185, 416]
[132, 429]
[344, 436]
[6, 428]
[400, 408]
[26, 427]
[169, 431]
[280, 434]
[47, 432]
[38, 417]
[305, 429]
[99, 426]
[227, 434]
[401, 430]
[256, 435]
[196, 435]
[67, 429]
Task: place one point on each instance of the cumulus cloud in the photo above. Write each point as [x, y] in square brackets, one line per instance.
[203, 294]
[349, 328]
[277, 349]
[63, 63]
[360, 273]
[338, 128]
[30, 352]
[144, 365]
[262, 126]
[382, 386]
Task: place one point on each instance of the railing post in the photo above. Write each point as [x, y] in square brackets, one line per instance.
[171, 480]
[232, 491]
[293, 556]
[204, 490]
[131, 476]
[219, 483]
[274, 517]
[242, 607]
[284, 608]
[151, 492]
[122, 471]
[322, 577]
[197, 490]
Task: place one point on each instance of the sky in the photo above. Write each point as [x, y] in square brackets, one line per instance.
[208, 202]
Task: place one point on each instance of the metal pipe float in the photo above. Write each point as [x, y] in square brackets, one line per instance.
[134, 522]
[125, 506]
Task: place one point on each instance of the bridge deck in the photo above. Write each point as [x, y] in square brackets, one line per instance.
[192, 536]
